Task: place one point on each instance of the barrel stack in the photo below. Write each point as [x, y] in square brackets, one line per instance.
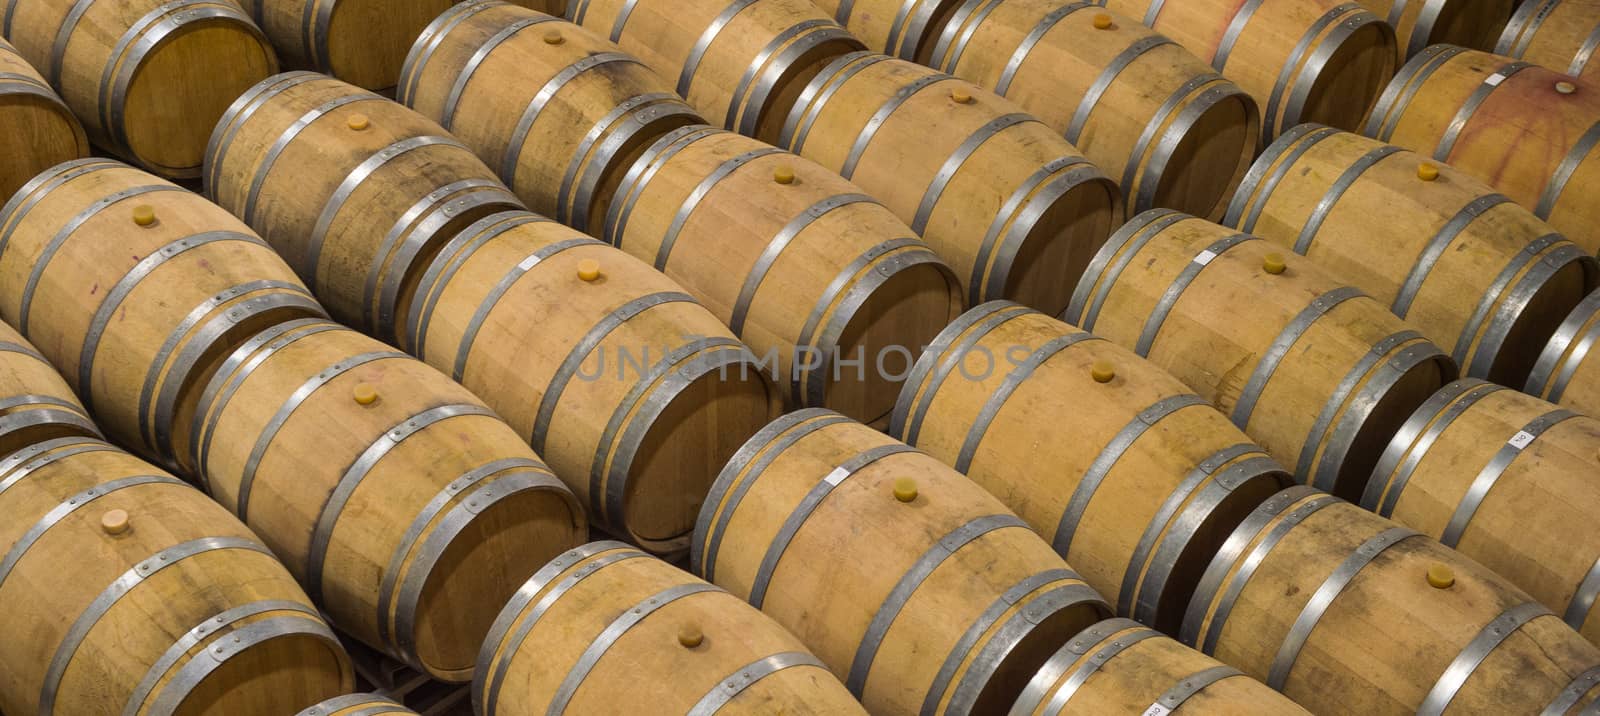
[1559, 34]
[1419, 24]
[362, 42]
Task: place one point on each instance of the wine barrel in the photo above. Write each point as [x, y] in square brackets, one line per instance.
[1525, 130]
[355, 191]
[1303, 60]
[1317, 372]
[633, 392]
[608, 629]
[406, 507]
[1121, 667]
[127, 591]
[1013, 207]
[905, 29]
[362, 42]
[920, 590]
[41, 131]
[1564, 375]
[1147, 479]
[555, 109]
[1559, 34]
[135, 289]
[1508, 480]
[1346, 612]
[740, 63]
[356, 705]
[35, 403]
[1421, 23]
[1469, 267]
[820, 280]
[149, 78]
[1140, 106]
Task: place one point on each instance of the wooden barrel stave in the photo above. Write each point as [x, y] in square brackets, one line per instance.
[388, 189]
[1157, 478]
[1563, 374]
[971, 601]
[1323, 377]
[566, 130]
[1560, 34]
[357, 705]
[195, 280]
[1491, 472]
[949, 157]
[362, 42]
[1513, 125]
[1140, 106]
[1476, 271]
[604, 615]
[41, 130]
[1292, 600]
[1420, 24]
[406, 506]
[169, 600]
[36, 405]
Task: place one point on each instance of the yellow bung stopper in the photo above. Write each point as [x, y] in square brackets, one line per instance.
[690, 636]
[961, 96]
[905, 489]
[114, 522]
[1441, 577]
[144, 215]
[588, 269]
[365, 394]
[1103, 372]
[1427, 172]
[358, 122]
[1565, 87]
[783, 175]
[1102, 22]
[554, 37]
[1273, 264]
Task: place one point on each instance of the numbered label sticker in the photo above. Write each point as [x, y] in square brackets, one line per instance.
[1157, 710]
[1205, 257]
[1521, 439]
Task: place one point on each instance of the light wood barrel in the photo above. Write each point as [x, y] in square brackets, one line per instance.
[362, 42]
[822, 281]
[608, 629]
[1173, 132]
[41, 131]
[136, 289]
[922, 592]
[1559, 34]
[149, 78]
[35, 402]
[1303, 60]
[633, 392]
[1346, 612]
[556, 110]
[1013, 207]
[1147, 479]
[406, 507]
[1122, 667]
[1313, 369]
[1527, 131]
[905, 29]
[1564, 374]
[1472, 269]
[355, 191]
[127, 591]
[739, 62]
[1421, 23]
[1507, 479]
[356, 705]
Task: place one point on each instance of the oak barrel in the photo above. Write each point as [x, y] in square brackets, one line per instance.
[1472, 269]
[1525, 130]
[35, 402]
[1313, 369]
[355, 191]
[920, 590]
[821, 281]
[740, 63]
[1014, 208]
[1173, 132]
[41, 131]
[406, 507]
[634, 393]
[1303, 60]
[1122, 667]
[1564, 374]
[1421, 23]
[1507, 479]
[127, 591]
[1146, 478]
[556, 110]
[362, 42]
[136, 289]
[608, 629]
[1559, 34]
[357, 705]
[905, 29]
[1346, 612]
[149, 78]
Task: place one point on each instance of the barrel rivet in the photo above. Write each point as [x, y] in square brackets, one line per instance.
[588, 270]
[905, 489]
[1441, 576]
[365, 394]
[1103, 21]
[690, 636]
[1427, 172]
[783, 175]
[358, 122]
[1565, 87]
[960, 95]
[114, 522]
[1273, 264]
[1103, 371]
[554, 37]
[144, 215]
